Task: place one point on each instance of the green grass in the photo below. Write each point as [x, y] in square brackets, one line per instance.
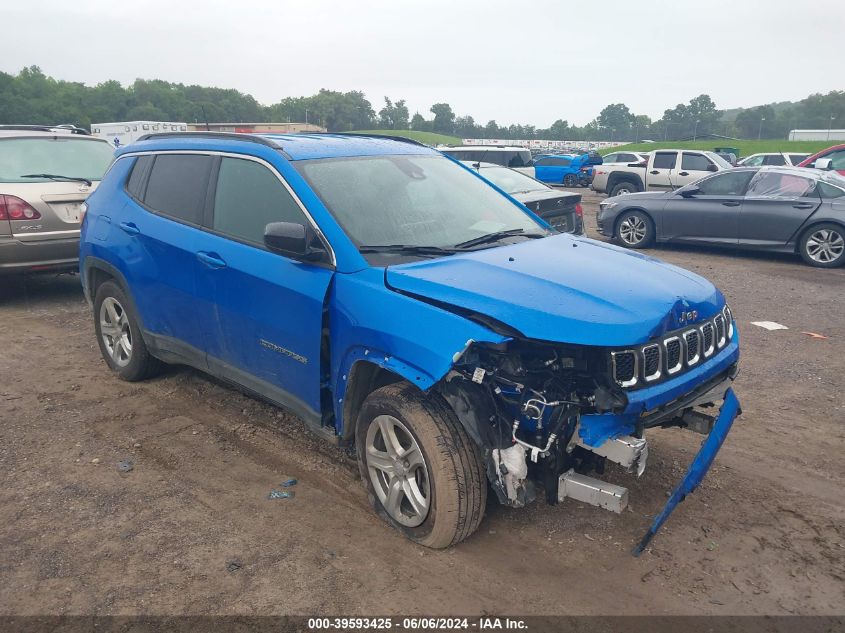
[746, 148]
[429, 138]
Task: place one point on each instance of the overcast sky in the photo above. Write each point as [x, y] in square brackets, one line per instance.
[512, 61]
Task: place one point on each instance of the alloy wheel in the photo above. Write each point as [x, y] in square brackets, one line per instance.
[115, 331]
[632, 230]
[825, 246]
[398, 471]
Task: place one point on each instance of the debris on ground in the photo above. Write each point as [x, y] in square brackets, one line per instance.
[125, 466]
[769, 325]
[815, 335]
[96, 460]
[287, 483]
[234, 565]
[281, 494]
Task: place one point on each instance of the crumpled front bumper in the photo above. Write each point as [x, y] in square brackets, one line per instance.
[698, 467]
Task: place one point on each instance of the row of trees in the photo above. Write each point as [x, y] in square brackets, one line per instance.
[32, 97]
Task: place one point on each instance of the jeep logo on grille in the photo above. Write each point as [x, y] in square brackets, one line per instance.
[687, 317]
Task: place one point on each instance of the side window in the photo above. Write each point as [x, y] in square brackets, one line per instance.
[665, 160]
[248, 198]
[559, 162]
[754, 161]
[628, 158]
[694, 162]
[138, 175]
[774, 184]
[729, 183]
[178, 185]
[797, 158]
[611, 158]
[828, 191]
[775, 159]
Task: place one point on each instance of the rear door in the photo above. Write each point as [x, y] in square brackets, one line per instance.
[552, 168]
[262, 313]
[156, 234]
[775, 207]
[662, 172]
[711, 215]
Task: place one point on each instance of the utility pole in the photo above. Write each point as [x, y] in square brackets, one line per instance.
[760, 129]
[695, 131]
[829, 124]
[306, 116]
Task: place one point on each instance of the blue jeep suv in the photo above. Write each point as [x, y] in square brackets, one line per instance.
[402, 305]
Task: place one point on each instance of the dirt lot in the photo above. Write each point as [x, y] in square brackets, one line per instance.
[190, 528]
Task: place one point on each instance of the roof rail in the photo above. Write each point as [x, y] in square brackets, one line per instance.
[46, 128]
[402, 139]
[232, 136]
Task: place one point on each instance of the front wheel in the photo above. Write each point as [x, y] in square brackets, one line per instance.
[823, 245]
[570, 180]
[422, 472]
[635, 229]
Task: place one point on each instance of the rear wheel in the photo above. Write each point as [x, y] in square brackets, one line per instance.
[569, 180]
[119, 335]
[622, 188]
[823, 245]
[422, 472]
[635, 229]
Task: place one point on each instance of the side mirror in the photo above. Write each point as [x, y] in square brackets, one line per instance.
[824, 163]
[690, 192]
[293, 240]
[712, 167]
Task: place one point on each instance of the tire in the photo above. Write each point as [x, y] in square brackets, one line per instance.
[119, 335]
[569, 180]
[823, 245]
[622, 188]
[635, 229]
[446, 482]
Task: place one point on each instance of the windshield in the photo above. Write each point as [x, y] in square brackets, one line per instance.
[73, 157]
[511, 181]
[721, 162]
[412, 200]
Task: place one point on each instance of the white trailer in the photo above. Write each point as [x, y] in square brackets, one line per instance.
[125, 132]
[817, 135]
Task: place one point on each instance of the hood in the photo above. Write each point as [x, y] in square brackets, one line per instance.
[564, 289]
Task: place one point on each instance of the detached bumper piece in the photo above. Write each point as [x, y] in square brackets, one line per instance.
[592, 491]
[698, 468]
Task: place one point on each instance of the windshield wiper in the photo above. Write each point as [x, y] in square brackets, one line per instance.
[407, 249]
[58, 177]
[495, 237]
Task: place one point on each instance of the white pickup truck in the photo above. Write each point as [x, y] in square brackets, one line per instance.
[664, 170]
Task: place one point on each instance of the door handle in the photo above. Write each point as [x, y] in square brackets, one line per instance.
[129, 228]
[684, 173]
[731, 203]
[212, 260]
[655, 172]
[804, 205]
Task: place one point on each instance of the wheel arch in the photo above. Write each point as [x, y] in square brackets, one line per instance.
[616, 177]
[96, 272]
[814, 222]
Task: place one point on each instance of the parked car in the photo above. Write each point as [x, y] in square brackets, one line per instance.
[624, 158]
[665, 170]
[777, 159]
[399, 303]
[569, 171]
[784, 209]
[518, 158]
[835, 154]
[561, 209]
[45, 175]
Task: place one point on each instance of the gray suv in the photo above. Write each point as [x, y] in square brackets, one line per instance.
[45, 176]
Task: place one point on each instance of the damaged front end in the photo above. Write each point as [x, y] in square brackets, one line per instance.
[549, 415]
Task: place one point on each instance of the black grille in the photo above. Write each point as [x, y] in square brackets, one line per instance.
[707, 330]
[720, 328]
[673, 353]
[692, 345]
[651, 360]
[624, 366]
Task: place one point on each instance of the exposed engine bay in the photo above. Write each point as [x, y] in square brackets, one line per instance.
[524, 401]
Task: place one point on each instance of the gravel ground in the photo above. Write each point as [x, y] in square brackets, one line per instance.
[190, 530]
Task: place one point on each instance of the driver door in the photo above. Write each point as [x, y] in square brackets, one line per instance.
[710, 215]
